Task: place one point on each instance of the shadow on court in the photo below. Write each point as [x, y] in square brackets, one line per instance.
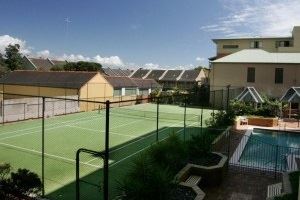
[121, 157]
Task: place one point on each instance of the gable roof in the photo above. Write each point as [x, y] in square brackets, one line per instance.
[145, 83]
[155, 74]
[171, 75]
[140, 73]
[41, 64]
[292, 95]
[259, 56]
[120, 81]
[58, 62]
[63, 79]
[116, 72]
[249, 94]
[189, 75]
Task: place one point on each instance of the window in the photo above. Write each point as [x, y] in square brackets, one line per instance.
[117, 92]
[278, 75]
[251, 75]
[130, 91]
[229, 46]
[284, 44]
[256, 44]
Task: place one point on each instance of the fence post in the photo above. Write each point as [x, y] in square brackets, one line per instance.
[157, 118]
[228, 143]
[184, 119]
[201, 122]
[227, 97]
[24, 111]
[276, 158]
[106, 160]
[3, 110]
[77, 176]
[43, 148]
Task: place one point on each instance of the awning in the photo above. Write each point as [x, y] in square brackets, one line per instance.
[250, 95]
[292, 95]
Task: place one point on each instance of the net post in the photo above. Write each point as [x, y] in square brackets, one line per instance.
[184, 119]
[157, 118]
[43, 148]
[105, 182]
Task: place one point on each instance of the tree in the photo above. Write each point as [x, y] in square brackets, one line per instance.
[79, 66]
[14, 59]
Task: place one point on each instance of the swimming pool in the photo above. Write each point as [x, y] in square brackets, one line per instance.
[271, 150]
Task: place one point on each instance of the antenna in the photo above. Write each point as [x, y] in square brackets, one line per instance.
[67, 21]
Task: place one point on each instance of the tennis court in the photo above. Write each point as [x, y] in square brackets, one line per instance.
[132, 129]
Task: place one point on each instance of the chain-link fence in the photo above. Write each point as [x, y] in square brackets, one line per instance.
[44, 134]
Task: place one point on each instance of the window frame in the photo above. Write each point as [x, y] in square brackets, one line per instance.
[251, 79]
[278, 78]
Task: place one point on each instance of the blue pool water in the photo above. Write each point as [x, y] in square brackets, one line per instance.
[270, 149]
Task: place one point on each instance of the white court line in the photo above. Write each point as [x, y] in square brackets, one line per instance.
[53, 124]
[39, 131]
[143, 137]
[47, 154]
[97, 132]
[143, 149]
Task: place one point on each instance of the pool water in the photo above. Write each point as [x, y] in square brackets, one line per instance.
[267, 149]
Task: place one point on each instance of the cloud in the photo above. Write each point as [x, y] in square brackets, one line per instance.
[112, 60]
[151, 66]
[200, 59]
[106, 61]
[43, 54]
[6, 40]
[257, 17]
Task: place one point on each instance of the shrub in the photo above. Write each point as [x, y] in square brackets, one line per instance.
[20, 184]
[170, 153]
[200, 145]
[241, 108]
[146, 180]
[221, 119]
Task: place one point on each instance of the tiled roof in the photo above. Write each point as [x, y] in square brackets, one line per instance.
[117, 72]
[120, 81]
[140, 73]
[189, 76]
[155, 74]
[145, 83]
[41, 64]
[171, 75]
[58, 62]
[73, 80]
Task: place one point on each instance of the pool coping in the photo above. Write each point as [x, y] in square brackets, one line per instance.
[235, 158]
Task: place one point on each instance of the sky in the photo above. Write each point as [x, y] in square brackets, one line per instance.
[139, 33]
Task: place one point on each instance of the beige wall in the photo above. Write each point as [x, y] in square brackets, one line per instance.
[236, 76]
[97, 89]
[268, 44]
[38, 91]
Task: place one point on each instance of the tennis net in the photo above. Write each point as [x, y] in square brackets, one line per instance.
[153, 115]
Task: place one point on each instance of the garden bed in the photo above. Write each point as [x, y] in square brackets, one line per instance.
[262, 121]
[212, 175]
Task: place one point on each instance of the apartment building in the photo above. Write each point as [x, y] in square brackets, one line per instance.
[270, 64]
[285, 44]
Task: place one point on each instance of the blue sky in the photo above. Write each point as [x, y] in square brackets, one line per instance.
[148, 33]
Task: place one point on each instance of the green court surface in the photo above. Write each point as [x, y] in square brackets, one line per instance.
[132, 130]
